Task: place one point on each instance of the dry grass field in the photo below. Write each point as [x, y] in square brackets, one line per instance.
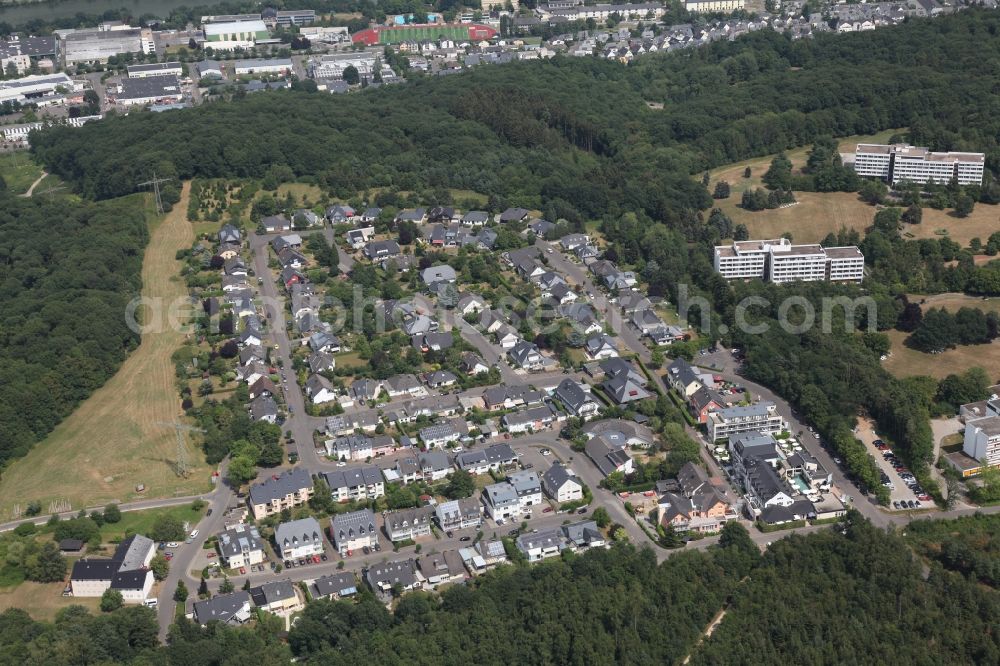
[818, 214]
[112, 441]
[44, 599]
[906, 362]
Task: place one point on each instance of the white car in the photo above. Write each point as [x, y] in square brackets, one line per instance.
[341, 464]
[194, 534]
[173, 544]
[546, 452]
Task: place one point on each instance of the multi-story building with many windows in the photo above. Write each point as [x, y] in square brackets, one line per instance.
[762, 417]
[903, 163]
[780, 261]
[982, 440]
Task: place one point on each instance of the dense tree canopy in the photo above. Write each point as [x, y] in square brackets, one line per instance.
[67, 272]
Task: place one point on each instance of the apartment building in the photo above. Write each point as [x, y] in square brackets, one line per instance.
[779, 261]
[280, 491]
[356, 483]
[982, 440]
[762, 417]
[902, 162]
[714, 6]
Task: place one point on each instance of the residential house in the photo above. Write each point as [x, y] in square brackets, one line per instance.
[506, 337]
[491, 320]
[576, 398]
[286, 490]
[432, 342]
[470, 304]
[501, 501]
[436, 274]
[406, 470]
[528, 488]
[264, 408]
[371, 215]
[492, 458]
[540, 545]
[485, 555]
[475, 218]
[570, 242]
[321, 362]
[683, 378]
[702, 403]
[350, 447]
[230, 609]
[434, 465]
[322, 341]
[127, 571]
[382, 578]
[561, 484]
[263, 387]
[600, 347]
[334, 586]
[473, 364]
[623, 383]
[441, 568]
[279, 243]
[582, 317]
[699, 507]
[320, 389]
[513, 215]
[631, 301]
[365, 389]
[407, 524]
[276, 224]
[587, 253]
[459, 514]
[440, 379]
[440, 434]
[304, 217]
[353, 531]
[382, 250]
[341, 213]
[356, 483]
[583, 535]
[241, 546]
[415, 215]
[229, 234]
[526, 356]
[234, 266]
[540, 227]
[507, 396]
[620, 433]
[532, 419]
[607, 457]
[299, 538]
[404, 385]
[360, 237]
[278, 597]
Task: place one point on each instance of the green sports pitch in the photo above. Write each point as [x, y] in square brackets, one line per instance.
[420, 33]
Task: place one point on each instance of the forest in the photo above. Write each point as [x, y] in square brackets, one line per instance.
[574, 132]
[67, 271]
[853, 594]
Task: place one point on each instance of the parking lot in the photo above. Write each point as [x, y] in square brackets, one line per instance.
[904, 491]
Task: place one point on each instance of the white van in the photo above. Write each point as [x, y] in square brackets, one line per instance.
[149, 603]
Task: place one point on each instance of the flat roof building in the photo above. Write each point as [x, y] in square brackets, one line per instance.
[226, 36]
[904, 163]
[155, 69]
[32, 87]
[779, 261]
[96, 46]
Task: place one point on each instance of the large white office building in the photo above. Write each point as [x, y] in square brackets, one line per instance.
[779, 261]
[901, 162]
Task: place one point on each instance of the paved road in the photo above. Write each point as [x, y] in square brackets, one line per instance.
[180, 566]
[722, 362]
[141, 505]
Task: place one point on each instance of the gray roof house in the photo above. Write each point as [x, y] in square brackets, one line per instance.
[296, 535]
[441, 273]
[334, 586]
[576, 399]
[232, 608]
[384, 576]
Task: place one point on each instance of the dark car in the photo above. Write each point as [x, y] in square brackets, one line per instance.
[514, 532]
[323, 557]
[208, 513]
[366, 550]
[302, 562]
[582, 510]
[466, 538]
[450, 534]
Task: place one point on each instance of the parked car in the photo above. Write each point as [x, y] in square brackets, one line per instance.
[210, 555]
[466, 538]
[547, 509]
[450, 534]
[243, 570]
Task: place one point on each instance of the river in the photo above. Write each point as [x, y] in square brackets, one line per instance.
[20, 14]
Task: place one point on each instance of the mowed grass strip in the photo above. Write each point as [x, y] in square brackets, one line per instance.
[112, 441]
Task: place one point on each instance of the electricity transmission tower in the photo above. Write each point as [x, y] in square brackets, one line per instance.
[182, 457]
[155, 182]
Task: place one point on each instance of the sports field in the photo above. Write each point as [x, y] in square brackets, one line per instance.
[420, 33]
[113, 441]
